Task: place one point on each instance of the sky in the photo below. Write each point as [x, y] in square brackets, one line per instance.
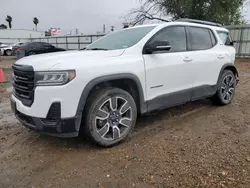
[88, 16]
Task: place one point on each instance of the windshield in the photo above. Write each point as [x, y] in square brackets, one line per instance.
[121, 39]
[24, 44]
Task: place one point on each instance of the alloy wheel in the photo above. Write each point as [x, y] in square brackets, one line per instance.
[113, 118]
[32, 53]
[8, 52]
[228, 88]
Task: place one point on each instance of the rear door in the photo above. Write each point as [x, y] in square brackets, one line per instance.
[208, 58]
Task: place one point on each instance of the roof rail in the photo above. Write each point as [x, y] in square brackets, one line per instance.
[199, 22]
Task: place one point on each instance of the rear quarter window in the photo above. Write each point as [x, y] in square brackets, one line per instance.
[225, 37]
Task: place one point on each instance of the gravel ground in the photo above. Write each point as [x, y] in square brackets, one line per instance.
[194, 145]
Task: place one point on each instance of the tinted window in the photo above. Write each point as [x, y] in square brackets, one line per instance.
[121, 39]
[176, 36]
[47, 45]
[34, 44]
[25, 44]
[225, 37]
[199, 38]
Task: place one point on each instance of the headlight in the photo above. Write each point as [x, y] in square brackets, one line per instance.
[54, 78]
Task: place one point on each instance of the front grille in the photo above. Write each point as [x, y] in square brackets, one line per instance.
[23, 83]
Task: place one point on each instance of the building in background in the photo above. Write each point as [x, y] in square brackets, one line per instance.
[10, 36]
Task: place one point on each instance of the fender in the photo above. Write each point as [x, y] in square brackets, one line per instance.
[228, 65]
[98, 80]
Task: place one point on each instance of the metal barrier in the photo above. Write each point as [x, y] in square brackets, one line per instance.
[241, 37]
[66, 42]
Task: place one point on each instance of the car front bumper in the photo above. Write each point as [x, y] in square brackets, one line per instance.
[65, 128]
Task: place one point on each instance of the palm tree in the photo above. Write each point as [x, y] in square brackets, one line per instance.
[9, 20]
[36, 21]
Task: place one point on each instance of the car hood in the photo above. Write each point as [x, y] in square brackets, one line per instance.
[47, 61]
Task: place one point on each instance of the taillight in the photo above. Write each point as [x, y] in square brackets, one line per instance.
[19, 49]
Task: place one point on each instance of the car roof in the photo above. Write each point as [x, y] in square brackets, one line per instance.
[221, 28]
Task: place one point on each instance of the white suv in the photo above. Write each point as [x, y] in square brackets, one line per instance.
[103, 88]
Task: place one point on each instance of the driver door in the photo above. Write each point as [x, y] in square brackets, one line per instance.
[168, 74]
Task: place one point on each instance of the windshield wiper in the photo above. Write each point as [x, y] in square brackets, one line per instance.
[97, 49]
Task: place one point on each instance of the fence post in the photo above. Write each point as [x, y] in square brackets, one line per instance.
[91, 39]
[56, 42]
[67, 43]
[241, 40]
[79, 46]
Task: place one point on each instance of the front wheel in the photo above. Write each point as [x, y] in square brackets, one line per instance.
[226, 88]
[110, 116]
[32, 53]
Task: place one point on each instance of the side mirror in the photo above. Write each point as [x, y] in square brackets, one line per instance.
[158, 46]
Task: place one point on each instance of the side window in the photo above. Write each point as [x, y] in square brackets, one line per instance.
[175, 36]
[47, 45]
[225, 37]
[199, 38]
[35, 45]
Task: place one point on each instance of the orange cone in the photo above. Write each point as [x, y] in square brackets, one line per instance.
[2, 76]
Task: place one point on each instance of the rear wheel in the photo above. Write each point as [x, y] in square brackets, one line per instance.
[226, 88]
[110, 116]
[8, 52]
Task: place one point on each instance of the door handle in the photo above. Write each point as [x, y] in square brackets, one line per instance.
[221, 56]
[187, 59]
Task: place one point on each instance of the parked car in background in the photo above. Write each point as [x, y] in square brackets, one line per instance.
[15, 47]
[8, 49]
[33, 48]
[2, 46]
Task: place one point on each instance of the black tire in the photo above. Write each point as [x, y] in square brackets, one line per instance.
[226, 87]
[8, 52]
[99, 106]
[31, 53]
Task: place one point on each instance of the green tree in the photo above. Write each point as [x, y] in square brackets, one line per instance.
[36, 21]
[9, 20]
[227, 12]
[3, 26]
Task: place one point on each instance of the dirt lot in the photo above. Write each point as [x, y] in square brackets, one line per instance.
[194, 145]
